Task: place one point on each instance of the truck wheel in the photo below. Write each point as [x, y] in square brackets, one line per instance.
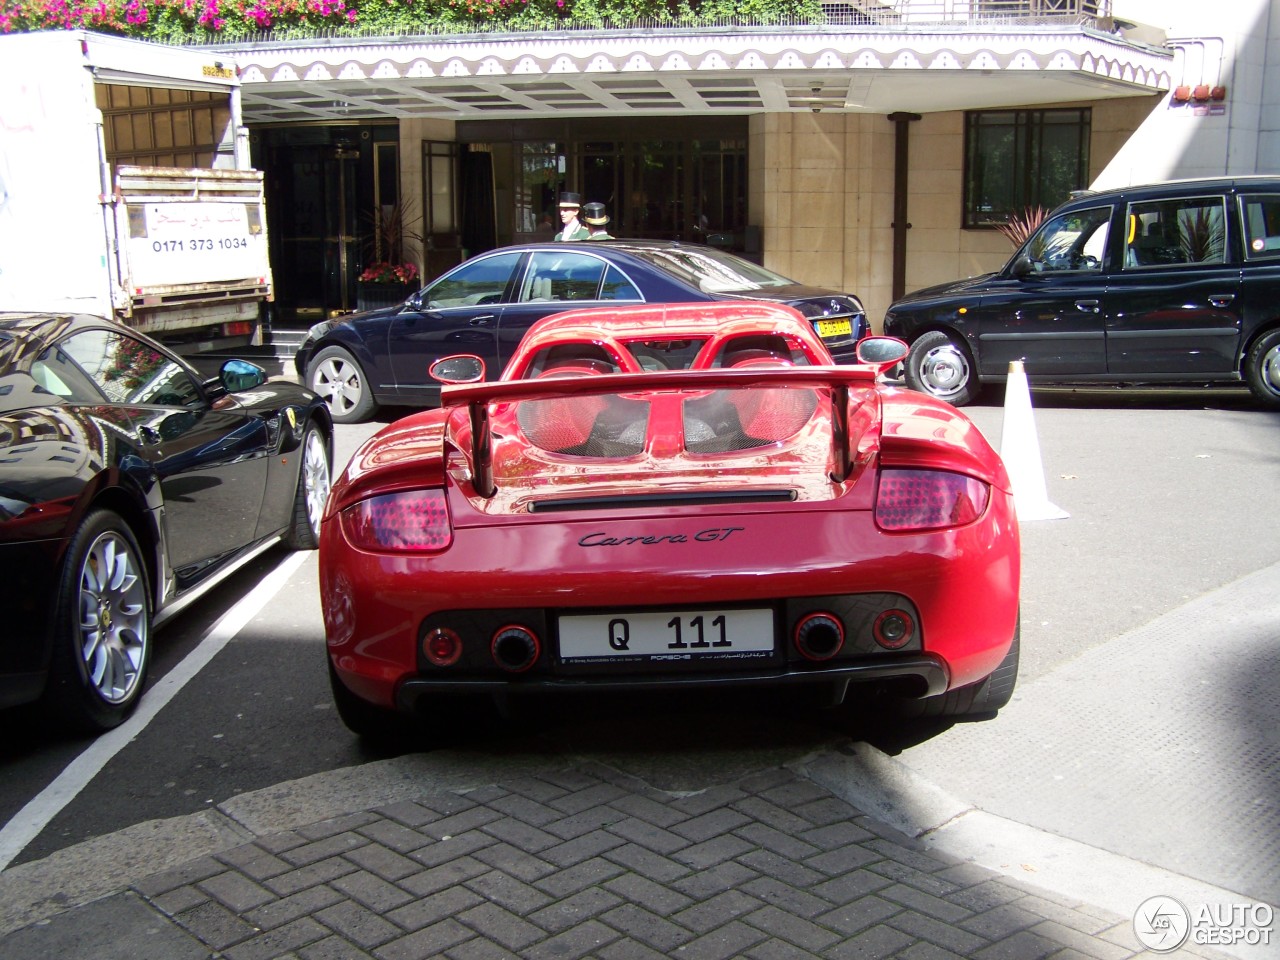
[312, 494]
[101, 628]
[336, 376]
[939, 365]
[1262, 369]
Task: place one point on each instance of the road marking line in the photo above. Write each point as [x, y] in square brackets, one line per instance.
[28, 822]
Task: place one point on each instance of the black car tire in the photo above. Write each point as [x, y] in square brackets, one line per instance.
[101, 628]
[981, 699]
[940, 365]
[313, 491]
[366, 720]
[335, 375]
[1262, 369]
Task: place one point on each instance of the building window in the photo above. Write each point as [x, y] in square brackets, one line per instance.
[1017, 159]
[388, 214]
[439, 176]
[539, 181]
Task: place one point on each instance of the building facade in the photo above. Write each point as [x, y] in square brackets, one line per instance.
[874, 153]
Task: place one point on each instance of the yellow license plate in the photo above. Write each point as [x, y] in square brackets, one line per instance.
[834, 328]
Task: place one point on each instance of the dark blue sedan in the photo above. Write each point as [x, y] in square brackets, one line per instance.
[485, 305]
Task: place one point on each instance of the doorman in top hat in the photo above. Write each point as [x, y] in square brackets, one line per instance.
[570, 205]
[597, 221]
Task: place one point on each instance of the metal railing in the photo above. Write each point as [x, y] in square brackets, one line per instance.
[904, 13]
[883, 14]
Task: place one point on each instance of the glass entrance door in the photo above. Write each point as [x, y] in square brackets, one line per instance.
[313, 232]
[342, 233]
[329, 193]
[664, 178]
[655, 191]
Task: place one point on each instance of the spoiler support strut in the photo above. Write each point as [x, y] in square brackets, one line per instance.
[840, 432]
[481, 450]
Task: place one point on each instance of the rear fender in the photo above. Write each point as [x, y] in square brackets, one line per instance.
[919, 431]
[405, 455]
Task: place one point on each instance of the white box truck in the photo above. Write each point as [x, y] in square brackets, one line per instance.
[126, 190]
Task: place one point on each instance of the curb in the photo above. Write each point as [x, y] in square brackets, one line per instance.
[879, 785]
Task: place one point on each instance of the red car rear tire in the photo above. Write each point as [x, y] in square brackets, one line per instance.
[981, 699]
[366, 720]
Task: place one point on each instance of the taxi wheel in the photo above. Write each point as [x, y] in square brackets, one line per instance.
[101, 629]
[940, 366]
[1262, 369]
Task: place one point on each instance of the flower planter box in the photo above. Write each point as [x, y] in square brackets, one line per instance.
[374, 296]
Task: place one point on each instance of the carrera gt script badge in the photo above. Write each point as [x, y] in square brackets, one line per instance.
[713, 535]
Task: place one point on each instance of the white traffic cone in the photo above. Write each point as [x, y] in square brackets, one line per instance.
[1020, 451]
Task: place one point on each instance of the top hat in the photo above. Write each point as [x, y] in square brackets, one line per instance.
[593, 213]
[570, 199]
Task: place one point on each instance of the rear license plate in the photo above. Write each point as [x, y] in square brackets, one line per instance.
[835, 328]
[670, 635]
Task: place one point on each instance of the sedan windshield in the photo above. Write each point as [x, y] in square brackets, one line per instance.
[713, 271]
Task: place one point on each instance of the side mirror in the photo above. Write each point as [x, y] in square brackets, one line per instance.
[462, 368]
[1023, 267]
[237, 375]
[881, 351]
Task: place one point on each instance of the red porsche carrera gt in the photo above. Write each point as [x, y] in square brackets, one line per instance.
[672, 496]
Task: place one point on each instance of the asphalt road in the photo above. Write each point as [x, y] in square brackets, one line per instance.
[1168, 495]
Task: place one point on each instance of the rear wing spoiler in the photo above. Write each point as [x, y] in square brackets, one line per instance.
[476, 398]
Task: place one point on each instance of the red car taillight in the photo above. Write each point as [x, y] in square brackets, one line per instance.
[928, 499]
[415, 521]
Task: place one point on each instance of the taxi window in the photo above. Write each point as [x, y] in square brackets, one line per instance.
[1074, 241]
[1182, 230]
[1261, 226]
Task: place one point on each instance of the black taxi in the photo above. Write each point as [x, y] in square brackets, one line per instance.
[1170, 283]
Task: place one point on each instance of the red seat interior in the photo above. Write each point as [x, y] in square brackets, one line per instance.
[773, 413]
[563, 423]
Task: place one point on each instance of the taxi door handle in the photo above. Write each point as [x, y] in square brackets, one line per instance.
[1221, 299]
[1087, 306]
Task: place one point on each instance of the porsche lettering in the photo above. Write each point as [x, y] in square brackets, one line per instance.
[712, 535]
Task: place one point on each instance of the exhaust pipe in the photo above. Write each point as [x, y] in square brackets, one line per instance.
[515, 649]
[819, 636]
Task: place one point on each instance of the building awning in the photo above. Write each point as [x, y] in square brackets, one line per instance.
[693, 71]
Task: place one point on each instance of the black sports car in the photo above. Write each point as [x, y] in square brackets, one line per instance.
[485, 305]
[129, 483]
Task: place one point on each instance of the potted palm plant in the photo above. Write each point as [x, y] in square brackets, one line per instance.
[391, 273]
[1019, 226]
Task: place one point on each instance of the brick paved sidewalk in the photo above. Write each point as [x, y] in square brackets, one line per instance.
[591, 863]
